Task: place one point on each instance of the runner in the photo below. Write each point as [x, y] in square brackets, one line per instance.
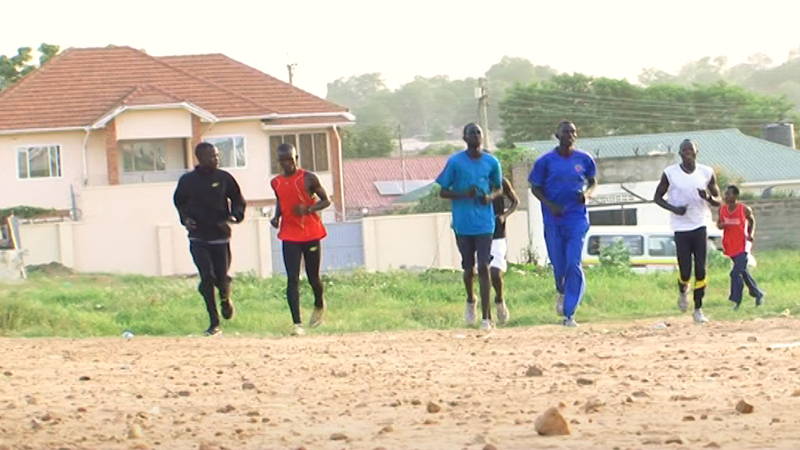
[563, 179]
[733, 218]
[690, 187]
[499, 249]
[208, 199]
[299, 196]
[472, 179]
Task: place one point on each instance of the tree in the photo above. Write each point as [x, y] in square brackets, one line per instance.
[367, 141]
[603, 106]
[15, 67]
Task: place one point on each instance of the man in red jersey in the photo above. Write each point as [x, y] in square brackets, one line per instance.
[733, 216]
[299, 196]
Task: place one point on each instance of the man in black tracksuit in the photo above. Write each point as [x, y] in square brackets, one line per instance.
[208, 199]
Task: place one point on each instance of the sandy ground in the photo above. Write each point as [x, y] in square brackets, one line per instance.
[649, 387]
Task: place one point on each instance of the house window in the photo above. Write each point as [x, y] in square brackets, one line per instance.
[634, 244]
[231, 150]
[143, 156]
[40, 161]
[312, 149]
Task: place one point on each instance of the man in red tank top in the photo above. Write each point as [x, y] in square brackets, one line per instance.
[299, 196]
[738, 224]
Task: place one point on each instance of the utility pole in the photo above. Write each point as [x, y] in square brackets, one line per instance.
[290, 67]
[402, 156]
[482, 94]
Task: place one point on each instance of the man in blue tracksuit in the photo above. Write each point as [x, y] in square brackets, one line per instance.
[562, 179]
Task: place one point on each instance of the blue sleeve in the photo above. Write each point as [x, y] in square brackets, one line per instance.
[496, 176]
[538, 174]
[447, 177]
[590, 168]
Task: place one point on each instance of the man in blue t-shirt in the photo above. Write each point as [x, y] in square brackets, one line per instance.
[472, 179]
[562, 179]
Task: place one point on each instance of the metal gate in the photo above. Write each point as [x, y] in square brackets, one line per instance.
[342, 249]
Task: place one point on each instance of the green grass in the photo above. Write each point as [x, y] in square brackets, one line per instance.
[105, 305]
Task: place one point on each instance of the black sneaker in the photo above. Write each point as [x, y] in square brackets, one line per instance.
[213, 331]
[760, 299]
[735, 304]
[228, 310]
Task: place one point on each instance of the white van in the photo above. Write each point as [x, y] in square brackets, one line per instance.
[650, 247]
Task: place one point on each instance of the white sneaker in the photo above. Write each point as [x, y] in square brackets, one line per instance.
[469, 313]
[298, 330]
[502, 313]
[486, 324]
[560, 304]
[683, 301]
[570, 322]
[699, 317]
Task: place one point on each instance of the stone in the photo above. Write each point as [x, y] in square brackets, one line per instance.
[744, 407]
[184, 393]
[592, 405]
[135, 431]
[796, 393]
[534, 371]
[674, 440]
[711, 444]
[551, 423]
[247, 386]
[584, 381]
[338, 437]
[387, 429]
[752, 339]
[433, 408]
[226, 409]
[688, 418]
[489, 447]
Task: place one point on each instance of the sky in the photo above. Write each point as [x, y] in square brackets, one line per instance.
[340, 38]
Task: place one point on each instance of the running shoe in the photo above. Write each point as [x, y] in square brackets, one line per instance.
[569, 322]
[316, 317]
[560, 304]
[699, 317]
[502, 313]
[213, 331]
[469, 313]
[683, 301]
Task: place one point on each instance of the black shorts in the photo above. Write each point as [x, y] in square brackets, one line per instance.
[468, 246]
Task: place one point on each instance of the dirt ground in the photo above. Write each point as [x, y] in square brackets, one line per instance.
[647, 386]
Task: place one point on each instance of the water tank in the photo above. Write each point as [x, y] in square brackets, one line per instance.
[780, 133]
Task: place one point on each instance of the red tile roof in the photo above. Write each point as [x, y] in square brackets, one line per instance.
[79, 86]
[252, 83]
[360, 175]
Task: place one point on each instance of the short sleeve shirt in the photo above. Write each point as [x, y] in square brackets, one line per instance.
[563, 178]
[470, 216]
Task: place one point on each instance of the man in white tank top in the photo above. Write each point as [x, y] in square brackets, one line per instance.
[690, 189]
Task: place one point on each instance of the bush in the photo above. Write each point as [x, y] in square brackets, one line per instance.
[29, 212]
[615, 256]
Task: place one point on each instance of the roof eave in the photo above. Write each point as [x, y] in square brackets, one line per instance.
[191, 107]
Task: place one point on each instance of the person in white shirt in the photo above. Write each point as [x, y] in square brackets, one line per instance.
[690, 189]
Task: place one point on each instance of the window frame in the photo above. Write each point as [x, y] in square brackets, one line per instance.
[27, 148]
[231, 136]
[276, 170]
